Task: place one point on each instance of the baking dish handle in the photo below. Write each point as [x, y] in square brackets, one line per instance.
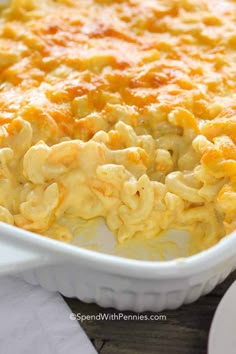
[18, 256]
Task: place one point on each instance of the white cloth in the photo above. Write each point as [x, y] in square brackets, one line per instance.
[33, 320]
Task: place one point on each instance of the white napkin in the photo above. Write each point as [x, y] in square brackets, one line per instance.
[33, 320]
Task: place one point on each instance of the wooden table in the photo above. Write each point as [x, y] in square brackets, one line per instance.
[185, 331]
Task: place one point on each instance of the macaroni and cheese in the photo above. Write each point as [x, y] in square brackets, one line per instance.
[121, 109]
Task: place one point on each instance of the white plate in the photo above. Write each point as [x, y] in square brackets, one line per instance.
[222, 337]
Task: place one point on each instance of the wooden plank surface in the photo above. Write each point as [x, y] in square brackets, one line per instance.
[185, 330]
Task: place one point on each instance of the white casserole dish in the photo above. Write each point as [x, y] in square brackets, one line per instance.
[112, 281]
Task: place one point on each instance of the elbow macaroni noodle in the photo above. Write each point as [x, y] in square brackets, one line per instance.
[119, 109]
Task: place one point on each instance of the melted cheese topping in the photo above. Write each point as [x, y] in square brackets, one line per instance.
[119, 109]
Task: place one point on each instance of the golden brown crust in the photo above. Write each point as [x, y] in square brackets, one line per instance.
[143, 91]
